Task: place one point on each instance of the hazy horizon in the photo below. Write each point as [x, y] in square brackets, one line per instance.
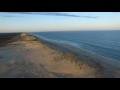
[58, 21]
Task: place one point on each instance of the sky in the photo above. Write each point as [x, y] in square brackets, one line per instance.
[58, 21]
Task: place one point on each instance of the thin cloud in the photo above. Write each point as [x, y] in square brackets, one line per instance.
[52, 14]
[12, 16]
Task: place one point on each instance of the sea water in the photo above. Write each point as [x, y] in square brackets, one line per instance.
[105, 43]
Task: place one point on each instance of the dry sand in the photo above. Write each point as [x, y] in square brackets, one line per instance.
[23, 56]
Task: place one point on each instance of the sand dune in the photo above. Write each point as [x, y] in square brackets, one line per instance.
[23, 56]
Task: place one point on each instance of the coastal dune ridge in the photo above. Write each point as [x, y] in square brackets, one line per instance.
[23, 55]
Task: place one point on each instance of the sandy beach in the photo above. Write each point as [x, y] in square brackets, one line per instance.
[26, 56]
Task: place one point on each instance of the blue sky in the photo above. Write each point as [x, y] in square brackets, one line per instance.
[58, 21]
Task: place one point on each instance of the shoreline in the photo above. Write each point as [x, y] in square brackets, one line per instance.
[34, 57]
[62, 47]
[53, 43]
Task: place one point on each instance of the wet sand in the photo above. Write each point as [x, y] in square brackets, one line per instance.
[26, 56]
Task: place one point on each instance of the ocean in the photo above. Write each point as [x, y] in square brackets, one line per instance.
[104, 43]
